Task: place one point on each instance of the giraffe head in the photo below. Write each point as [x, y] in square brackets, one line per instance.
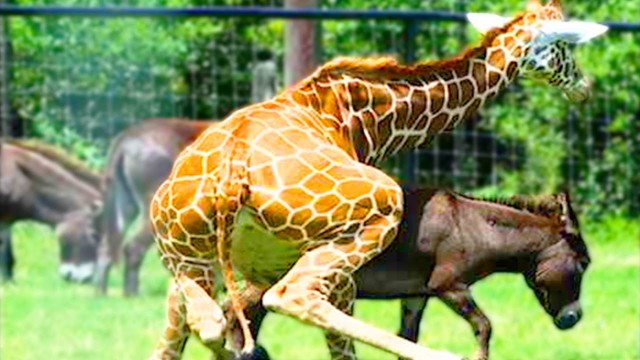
[547, 40]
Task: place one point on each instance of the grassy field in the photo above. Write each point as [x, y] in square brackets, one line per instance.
[44, 318]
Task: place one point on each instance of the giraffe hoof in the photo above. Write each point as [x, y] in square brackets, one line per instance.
[258, 353]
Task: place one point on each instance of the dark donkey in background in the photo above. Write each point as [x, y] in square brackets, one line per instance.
[40, 182]
[448, 241]
[139, 159]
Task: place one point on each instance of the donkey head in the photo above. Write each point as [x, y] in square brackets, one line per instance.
[79, 244]
[556, 275]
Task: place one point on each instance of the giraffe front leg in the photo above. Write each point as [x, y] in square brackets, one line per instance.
[305, 290]
[343, 298]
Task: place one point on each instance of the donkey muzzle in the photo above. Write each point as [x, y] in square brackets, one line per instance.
[568, 317]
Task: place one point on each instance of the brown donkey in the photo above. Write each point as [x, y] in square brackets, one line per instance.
[139, 159]
[448, 241]
[41, 182]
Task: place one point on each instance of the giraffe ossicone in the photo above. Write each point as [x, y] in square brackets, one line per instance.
[302, 167]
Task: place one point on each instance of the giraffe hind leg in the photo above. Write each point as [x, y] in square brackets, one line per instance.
[203, 315]
[191, 308]
[176, 331]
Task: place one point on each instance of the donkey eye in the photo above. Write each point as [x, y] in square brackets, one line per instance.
[584, 264]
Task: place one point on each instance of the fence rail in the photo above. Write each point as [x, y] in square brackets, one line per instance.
[96, 95]
[253, 12]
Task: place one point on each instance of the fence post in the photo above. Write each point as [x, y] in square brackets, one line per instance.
[411, 159]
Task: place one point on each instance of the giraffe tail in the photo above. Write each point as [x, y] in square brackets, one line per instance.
[229, 202]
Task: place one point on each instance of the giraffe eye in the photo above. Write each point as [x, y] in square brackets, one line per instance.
[529, 64]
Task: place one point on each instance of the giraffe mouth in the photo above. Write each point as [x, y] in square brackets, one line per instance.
[579, 93]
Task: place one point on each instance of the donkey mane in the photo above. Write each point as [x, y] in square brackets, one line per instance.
[59, 156]
[549, 206]
[545, 205]
[387, 66]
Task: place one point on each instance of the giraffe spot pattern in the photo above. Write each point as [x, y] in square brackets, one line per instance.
[319, 183]
[466, 92]
[453, 96]
[437, 96]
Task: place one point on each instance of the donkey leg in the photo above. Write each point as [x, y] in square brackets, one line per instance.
[134, 252]
[103, 267]
[412, 310]
[7, 260]
[462, 303]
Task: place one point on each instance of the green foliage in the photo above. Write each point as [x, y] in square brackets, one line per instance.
[611, 229]
[81, 81]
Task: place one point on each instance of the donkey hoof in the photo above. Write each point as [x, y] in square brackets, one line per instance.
[258, 353]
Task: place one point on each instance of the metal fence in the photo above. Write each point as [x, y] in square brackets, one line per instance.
[78, 76]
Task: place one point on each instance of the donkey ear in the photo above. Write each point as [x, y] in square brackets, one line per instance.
[485, 22]
[575, 32]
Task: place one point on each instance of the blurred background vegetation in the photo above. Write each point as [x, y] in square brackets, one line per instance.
[76, 82]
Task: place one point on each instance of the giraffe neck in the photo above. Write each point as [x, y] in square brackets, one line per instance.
[383, 107]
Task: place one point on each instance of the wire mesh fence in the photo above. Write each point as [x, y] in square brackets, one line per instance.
[78, 81]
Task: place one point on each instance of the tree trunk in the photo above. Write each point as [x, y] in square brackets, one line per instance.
[301, 44]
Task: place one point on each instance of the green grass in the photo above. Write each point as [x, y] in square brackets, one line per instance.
[44, 318]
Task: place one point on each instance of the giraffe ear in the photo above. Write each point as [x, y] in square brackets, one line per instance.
[534, 5]
[485, 22]
[571, 31]
[556, 3]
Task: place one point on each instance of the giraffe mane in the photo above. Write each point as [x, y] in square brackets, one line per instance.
[59, 156]
[389, 67]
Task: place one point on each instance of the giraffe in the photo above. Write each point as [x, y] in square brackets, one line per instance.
[302, 166]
